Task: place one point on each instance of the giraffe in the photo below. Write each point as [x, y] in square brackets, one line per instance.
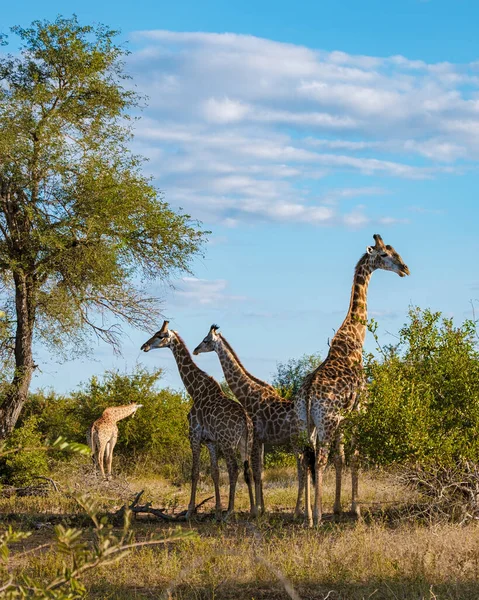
[271, 414]
[216, 421]
[331, 390]
[102, 435]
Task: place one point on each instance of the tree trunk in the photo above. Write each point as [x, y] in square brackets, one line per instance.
[17, 392]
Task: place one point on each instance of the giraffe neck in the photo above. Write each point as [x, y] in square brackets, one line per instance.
[191, 375]
[117, 413]
[350, 336]
[242, 384]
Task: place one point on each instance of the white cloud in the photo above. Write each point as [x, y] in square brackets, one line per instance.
[243, 128]
[224, 110]
[192, 291]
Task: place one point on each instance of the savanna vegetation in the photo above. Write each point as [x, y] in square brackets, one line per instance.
[417, 537]
[81, 232]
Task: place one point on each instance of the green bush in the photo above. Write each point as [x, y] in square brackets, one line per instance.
[423, 397]
[21, 467]
[157, 434]
[289, 375]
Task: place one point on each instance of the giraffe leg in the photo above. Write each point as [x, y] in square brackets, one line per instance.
[338, 464]
[308, 515]
[320, 465]
[94, 451]
[232, 466]
[256, 460]
[248, 476]
[301, 478]
[109, 458]
[101, 456]
[263, 507]
[355, 509]
[195, 473]
[215, 474]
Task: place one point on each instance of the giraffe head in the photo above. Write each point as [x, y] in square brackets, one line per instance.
[161, 339]
[209, 343]
[385, 257]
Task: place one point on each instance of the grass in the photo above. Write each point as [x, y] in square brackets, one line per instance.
[369, 558]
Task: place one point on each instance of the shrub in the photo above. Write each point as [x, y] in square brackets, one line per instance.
[423, 397]
[289, 375]
[157, 434]
[21, 467]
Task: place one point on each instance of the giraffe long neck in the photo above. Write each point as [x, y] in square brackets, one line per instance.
[242, 384]
[117, 413]
[191, 375]
[350, 336]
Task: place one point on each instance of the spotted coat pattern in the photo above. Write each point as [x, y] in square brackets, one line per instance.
[215, 420]
[103, 434]
[330, 392]
[272, 415]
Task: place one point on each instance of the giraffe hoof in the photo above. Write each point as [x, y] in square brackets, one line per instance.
[308, 523]
[189, 514]
[356, 510]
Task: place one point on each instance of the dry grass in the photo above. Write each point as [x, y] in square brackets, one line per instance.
[252, 560]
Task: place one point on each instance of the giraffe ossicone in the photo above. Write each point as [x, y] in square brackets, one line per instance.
[331, 391]
[272, 415]
[216, 421]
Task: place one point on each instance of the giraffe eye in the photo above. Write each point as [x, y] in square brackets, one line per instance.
[383, 254]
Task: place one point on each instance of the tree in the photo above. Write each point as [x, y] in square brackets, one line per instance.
[290, 374]
[82, 230]
[423, 400]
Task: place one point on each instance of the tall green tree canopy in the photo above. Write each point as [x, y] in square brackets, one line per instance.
[82, 230]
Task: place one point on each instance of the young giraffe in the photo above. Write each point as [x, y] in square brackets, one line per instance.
[214, 420]
[102, 435]
[272, 415]
[331, 390]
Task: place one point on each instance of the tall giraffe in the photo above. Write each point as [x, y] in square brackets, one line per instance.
[214, 420]
[102, 435]
[331, 390]
[272, 415]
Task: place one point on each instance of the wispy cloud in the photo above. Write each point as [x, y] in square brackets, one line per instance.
[241, 128]
[194, 292]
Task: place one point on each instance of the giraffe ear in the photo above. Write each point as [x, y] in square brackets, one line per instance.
[164, 327]
[369, 249]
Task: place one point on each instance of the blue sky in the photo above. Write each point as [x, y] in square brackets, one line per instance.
[294, 135]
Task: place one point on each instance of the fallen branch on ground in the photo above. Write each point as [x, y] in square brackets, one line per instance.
[136, 509]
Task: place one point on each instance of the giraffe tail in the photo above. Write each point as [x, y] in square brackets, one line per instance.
[310, 461]
[247, 472]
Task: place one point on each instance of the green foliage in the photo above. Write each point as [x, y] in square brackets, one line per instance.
[93, 221]
[81, 228]
[157, 433]
[423, 400]
[278, 456]
[29, 457]
[287, 380]
[290, 374]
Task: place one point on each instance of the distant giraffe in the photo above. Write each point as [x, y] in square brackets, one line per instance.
[331, 390]
[272, 415]
[102, 435]
[214, 420]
